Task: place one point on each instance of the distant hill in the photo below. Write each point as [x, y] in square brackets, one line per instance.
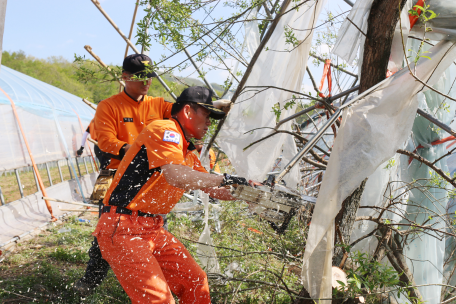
[61, 73]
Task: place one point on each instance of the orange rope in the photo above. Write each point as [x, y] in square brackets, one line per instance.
[38, 176]
[327, 75]
[87, 141]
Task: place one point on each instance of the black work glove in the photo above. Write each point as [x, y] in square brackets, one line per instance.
[233, 180]
[79, 152]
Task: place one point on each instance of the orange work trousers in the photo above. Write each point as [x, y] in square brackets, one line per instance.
[148, 261]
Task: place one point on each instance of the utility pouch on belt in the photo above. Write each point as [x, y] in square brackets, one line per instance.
[102, 184]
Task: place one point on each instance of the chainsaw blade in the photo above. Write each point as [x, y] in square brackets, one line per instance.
[272, 204]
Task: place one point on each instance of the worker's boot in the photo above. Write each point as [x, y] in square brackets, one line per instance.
[97, 269]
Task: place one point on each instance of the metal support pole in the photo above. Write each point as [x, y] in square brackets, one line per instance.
[143, 48]
[91, 163]
[133, 47]
[77, 165]
[342, 94]
[309, 109]
[37, 184]
[2, 199]
[69, 168]
[132, 25]
[89, 50]
[85, 165]
[310, 144]
[19, 182]
[436, 122]
[60, 171]
[49, 174]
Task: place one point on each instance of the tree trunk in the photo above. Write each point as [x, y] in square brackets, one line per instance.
[382, 21]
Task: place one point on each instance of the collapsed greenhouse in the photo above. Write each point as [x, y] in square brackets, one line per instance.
[370, 167]
[52, 122]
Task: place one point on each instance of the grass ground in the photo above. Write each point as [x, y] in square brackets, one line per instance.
[10, 188]
[44, 269]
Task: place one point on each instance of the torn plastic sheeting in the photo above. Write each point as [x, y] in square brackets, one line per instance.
[252, 35]
[251, 40]
[349, 38]
[371, 132]
[205, 251]
[253, 110]
[428, 249]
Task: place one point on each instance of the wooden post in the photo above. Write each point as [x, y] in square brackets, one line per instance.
[132, 25]
[133, 47]
[43, 189]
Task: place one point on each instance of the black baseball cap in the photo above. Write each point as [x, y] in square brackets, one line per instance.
[203, 97]
[135, 64]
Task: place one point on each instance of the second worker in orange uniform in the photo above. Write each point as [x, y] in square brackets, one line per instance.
[149, 261]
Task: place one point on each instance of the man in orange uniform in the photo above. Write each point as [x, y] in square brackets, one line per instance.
[149, 261]
[118, 121]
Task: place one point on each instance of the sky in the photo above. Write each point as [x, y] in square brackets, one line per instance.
[45, 28]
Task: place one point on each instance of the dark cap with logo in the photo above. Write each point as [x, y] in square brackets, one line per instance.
[203, 97]
[135, 64]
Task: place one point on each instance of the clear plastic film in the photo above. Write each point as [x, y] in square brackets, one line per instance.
[253, 109]
[349, 38]
[252, 35]
[40, 107]
[426, 254]
[205, 251]
[371, 131]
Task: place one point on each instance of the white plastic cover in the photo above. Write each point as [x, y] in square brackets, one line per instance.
[349, 38]
[254, 110]
[371, 131]
[252, 35]
[397, 50]
[42, 109]
[30, 212]
[206, 253]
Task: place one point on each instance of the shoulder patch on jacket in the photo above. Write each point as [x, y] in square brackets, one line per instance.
[171, 136]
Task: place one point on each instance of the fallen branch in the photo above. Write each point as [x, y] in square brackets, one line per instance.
[429, 164]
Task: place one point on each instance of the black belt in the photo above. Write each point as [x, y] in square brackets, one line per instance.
[122, 210]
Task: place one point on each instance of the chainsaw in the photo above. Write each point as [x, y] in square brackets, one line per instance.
[274, 202]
